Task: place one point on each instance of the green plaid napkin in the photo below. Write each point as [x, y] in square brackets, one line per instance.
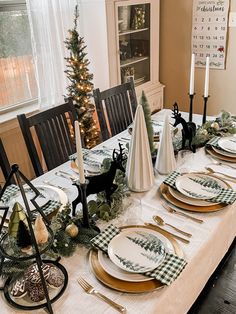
[214, 142]
[9, 192]
[48, 208]
[166, 273]
[226, 196]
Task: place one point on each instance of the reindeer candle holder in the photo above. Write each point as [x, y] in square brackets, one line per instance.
[188, 131]
[99, 183]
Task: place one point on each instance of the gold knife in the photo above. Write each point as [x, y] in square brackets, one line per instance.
[157, 228]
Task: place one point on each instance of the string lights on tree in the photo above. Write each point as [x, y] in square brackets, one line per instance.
[81, 85]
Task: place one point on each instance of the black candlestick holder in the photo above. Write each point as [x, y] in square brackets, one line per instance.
[191, 96]
[205, 109]
[83, 188]
[85, 223]
[37, 255]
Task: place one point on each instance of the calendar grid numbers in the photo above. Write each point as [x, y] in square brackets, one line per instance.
[209, 32]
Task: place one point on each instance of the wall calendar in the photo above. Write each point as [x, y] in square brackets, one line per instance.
[209, 32]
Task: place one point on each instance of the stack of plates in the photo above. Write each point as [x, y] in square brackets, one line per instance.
[47, 193]
[226, 150]
[195, 192]
[134, 251]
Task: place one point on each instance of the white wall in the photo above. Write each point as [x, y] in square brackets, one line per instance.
[93, 28]
[175, 58]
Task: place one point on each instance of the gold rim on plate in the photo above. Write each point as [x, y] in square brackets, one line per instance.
[127, 286]
[164, 189]
[213, 153]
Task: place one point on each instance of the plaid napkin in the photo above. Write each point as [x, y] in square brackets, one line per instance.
[48, 208]
[9, 192]
[166, 273]
[226, 196]
[214, 142]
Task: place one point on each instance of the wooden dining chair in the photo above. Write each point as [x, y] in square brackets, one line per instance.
[115, 108]
[54, 132]
[4, 163]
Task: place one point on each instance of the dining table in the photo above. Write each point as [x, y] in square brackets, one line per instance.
[209, 242]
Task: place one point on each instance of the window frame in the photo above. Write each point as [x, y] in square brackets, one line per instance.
[10, 112]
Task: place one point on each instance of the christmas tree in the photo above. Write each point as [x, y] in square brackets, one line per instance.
[23, 238]
[81, 85]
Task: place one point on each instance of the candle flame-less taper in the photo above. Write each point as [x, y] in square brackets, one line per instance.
[206, 88]
[191, 85]
[79, 153]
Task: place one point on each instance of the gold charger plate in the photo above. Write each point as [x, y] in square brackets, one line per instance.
[127, 286]
[164, 189]
[219, 156]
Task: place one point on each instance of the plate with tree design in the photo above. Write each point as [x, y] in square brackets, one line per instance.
[228, 144]
[136, 251]
[198, 186]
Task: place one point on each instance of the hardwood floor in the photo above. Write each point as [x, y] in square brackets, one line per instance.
[219, 294]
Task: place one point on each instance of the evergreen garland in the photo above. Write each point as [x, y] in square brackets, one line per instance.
[147, 115]
[224, 125]
[81, 85]
[13, 268]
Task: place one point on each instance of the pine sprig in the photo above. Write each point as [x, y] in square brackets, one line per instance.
[14, 269]
[224, 125]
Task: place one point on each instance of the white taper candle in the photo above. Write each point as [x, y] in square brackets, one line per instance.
[79, 153]
[191, 85]
[206, 88]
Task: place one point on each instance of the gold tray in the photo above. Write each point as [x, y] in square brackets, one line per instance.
[219, 156]
[127, 286]
[164, 189]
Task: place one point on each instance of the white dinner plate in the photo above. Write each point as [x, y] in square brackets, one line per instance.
[136, 251]
[188, 200]
[224, 153]
[47, 193]
[198, 186]
[121, 274]
[228, 144]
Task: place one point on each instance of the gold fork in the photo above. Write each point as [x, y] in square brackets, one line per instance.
[90, 290]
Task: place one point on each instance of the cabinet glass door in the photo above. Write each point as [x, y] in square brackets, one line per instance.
[134, 42]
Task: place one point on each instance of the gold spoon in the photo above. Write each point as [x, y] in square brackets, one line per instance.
[161, 222]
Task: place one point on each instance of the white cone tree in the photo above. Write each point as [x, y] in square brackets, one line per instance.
[165, 162]
[139, 171]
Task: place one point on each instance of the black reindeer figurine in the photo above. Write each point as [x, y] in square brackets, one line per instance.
[104, 181]
[188, 131]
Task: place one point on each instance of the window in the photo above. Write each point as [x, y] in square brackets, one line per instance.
[17, 75]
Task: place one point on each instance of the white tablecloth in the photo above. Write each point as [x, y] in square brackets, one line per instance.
[209, 243]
